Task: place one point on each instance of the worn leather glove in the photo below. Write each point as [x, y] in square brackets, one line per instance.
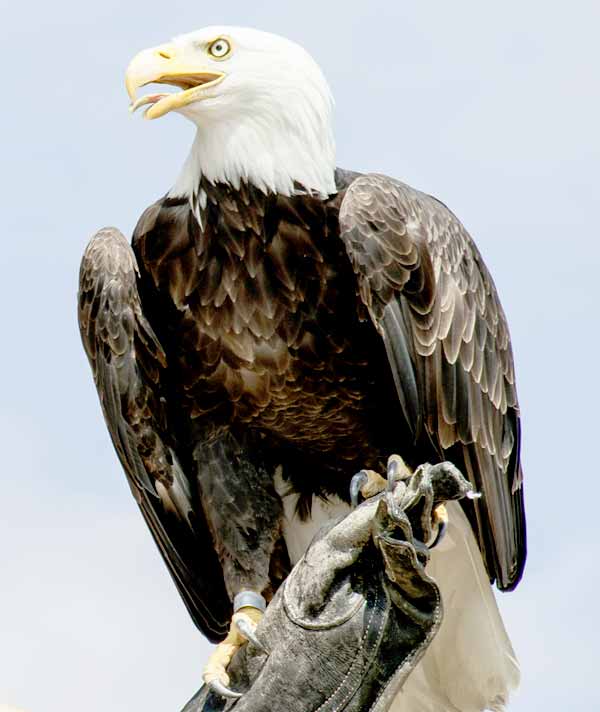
[356, 613]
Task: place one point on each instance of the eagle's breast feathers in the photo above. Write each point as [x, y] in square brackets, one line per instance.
[256, 304]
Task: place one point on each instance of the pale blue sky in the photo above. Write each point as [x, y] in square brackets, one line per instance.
[494, 109]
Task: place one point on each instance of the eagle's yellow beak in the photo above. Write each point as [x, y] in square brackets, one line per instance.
[162, 65]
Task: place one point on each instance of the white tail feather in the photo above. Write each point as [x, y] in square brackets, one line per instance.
[470, 666]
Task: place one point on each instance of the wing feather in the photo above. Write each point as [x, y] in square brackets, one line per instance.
[127, 361]
[431, 297]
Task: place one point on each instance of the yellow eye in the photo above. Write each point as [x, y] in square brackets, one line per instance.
[220, 48]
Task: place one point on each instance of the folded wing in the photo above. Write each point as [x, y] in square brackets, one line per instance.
[435, 305]
[127, 362]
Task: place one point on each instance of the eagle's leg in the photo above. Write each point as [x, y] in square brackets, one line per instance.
[244, 514]
[369, 484]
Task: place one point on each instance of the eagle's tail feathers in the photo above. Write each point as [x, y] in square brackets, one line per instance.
[470, 665]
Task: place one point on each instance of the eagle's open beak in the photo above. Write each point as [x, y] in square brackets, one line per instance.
[161, 65]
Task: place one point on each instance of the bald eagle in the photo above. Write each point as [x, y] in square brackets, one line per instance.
[278, 324]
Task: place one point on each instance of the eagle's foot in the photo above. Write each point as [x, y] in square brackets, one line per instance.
[246, 621]
[368, 483]
[242, 630]
[440, 524]
[215, 671]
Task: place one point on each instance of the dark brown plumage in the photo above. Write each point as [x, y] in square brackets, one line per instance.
[273, 333]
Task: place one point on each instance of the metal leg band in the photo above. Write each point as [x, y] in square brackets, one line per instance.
[251, 599]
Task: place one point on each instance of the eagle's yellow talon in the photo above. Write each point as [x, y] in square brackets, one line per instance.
[440, 514]
[397, 470]
[216, 667]
[374, 484]
[245, 620]
[369, 483]
[242, 629]
[439, 519]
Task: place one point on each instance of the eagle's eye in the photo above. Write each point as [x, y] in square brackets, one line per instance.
[219, 49]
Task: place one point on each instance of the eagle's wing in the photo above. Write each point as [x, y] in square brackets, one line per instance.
[127, 361]
[434, 303]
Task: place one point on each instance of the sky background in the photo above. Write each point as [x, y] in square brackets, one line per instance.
[493, 108]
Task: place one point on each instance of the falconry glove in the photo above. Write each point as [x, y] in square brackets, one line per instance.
[355, 615]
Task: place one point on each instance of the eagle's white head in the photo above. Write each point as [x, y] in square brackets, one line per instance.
[262, 108]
